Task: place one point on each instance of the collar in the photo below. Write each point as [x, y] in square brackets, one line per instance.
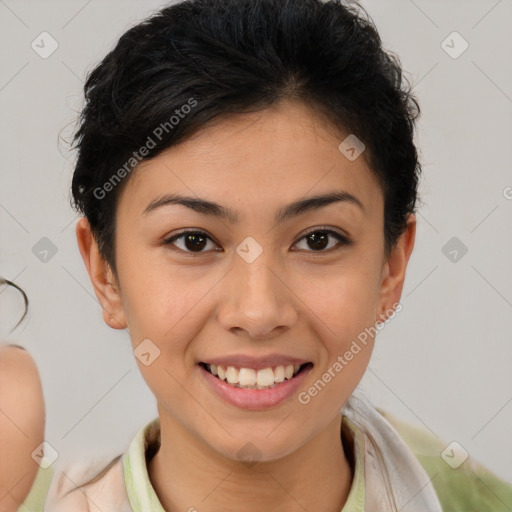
[142, 495]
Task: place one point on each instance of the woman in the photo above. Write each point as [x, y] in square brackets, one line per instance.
[247, 180]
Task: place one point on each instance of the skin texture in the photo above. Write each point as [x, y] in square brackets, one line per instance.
[293, 299]
[22, 425]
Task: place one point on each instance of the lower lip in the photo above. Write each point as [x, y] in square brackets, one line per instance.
[255, 399]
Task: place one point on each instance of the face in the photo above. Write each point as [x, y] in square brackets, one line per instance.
[253, 288]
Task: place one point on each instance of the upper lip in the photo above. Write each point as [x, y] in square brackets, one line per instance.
[257, 363]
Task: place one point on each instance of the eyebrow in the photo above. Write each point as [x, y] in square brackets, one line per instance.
[291, 210]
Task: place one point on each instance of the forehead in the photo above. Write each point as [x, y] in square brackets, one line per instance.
[244, 161]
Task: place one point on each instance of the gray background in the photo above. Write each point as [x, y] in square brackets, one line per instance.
[444, 362]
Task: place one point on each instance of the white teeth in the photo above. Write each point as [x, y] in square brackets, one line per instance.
[265, 377]
[232, 375]
[279, 374]
[247, 377]
[256, 379]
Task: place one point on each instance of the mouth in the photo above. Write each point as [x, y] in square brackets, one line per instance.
[249, 378]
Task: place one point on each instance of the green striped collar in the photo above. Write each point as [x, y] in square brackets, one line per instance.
[142, 495]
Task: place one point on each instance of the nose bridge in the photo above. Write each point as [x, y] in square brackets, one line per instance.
[256, 282]
[253, 262]
[256, 300]
[257, 278]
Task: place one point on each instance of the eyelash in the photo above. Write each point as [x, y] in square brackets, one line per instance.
[344, 241]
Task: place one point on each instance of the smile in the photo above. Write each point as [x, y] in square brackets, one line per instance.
[250, 378]
[252, 382]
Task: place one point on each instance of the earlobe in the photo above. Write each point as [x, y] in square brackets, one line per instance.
[101, 276]
[394, 271]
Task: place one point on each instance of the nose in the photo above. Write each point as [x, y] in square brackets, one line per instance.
[256, 299]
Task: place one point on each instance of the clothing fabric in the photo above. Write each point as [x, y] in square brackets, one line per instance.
[34, 502]
[393, 477]
[397, 467]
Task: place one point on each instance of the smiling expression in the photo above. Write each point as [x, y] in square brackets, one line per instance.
[225, 248]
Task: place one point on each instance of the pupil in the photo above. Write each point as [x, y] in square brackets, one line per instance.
[321, 237]
[195, 238]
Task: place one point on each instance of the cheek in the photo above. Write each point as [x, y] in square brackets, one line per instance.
[169, 311]
[344, 313]
[150, 299]
[343, 301]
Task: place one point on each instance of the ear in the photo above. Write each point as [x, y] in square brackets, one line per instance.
[102, 277]
[393, 274]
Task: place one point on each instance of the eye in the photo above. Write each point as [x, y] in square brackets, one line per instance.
[318, 239]
[195, 241]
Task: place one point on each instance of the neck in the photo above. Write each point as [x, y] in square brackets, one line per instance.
[317, 477]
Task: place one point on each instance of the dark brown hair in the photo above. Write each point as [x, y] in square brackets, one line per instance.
[25, 300]
[236, 56]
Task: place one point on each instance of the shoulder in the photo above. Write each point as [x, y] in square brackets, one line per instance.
[20, 382]
[101, 486]
[106, 494]
[460, 481]
[18, 367]
[21, 428]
